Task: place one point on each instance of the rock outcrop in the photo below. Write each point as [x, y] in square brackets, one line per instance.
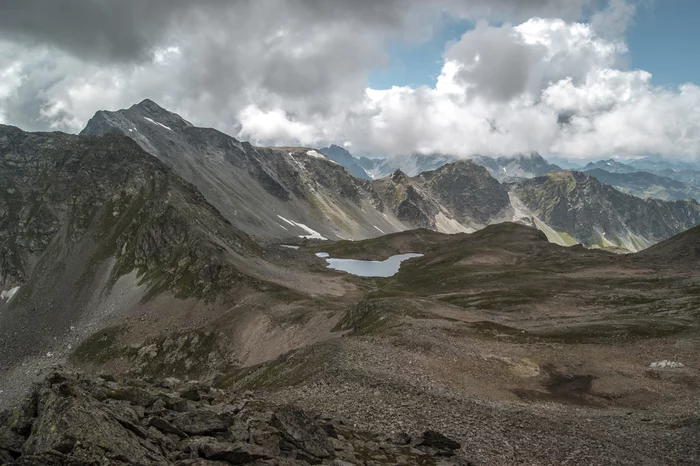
[78, 420]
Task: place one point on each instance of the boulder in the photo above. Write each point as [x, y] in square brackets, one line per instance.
[299, 429]
[435, 443]
[200, 423]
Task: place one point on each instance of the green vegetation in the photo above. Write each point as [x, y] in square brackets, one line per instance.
[178, 354]
[565, 178]
[614, 330]
[100, 347]
[288, 370]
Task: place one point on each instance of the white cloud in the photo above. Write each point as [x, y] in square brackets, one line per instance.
[544, 85]
[260, 126]
[295, 72]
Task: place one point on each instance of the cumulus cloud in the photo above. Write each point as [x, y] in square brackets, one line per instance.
[533, 75]
[544, 85]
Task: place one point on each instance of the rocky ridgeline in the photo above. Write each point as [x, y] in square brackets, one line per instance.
[71, 419]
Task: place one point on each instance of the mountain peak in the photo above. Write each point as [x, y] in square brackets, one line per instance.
[398, 176]
[128, 121]
[342, 156]
[151, 106]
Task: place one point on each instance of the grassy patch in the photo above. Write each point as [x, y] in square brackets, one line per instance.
[592, 333]
[100, 347]
[288, 370]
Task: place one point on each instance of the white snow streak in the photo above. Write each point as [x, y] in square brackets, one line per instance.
[8, 295]
[313, 153]
[312, 234]
[156, 123]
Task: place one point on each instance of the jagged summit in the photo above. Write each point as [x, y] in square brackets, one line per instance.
[345, 158]
[150, 105]
[144, 117]
[398, 176]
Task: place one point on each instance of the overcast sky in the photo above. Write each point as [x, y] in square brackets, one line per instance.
[513, 76]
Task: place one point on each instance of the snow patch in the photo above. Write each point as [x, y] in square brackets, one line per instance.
[312, 234]
[323, 255]
[666, 364]
[156, 123]
[288, 221]
[289, 246]
[8, 295]
[315, 154]
[301, 167]
[379, 229]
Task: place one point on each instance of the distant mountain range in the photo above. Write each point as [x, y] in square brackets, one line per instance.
[645, 178]
[301, 192]
[504, 169]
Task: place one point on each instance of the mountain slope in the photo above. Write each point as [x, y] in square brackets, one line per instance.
[686, 172]
[93, 229]
[680, 250]
[683, 172]
[643, 184]
[271, 192]
[345, 158]
[574, 207]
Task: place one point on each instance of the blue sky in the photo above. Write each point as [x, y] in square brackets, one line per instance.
[664, 39]
[416, 64]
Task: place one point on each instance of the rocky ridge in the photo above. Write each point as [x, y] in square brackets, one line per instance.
[573, 207]
[647, 185]
[73, 419]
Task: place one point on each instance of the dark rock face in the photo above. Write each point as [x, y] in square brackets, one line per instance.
[103, 188]
[77, 213]
[70, 419]
[463, 191]
[594, 213]
[468, 190]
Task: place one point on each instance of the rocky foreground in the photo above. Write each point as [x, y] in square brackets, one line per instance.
[71, 419]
